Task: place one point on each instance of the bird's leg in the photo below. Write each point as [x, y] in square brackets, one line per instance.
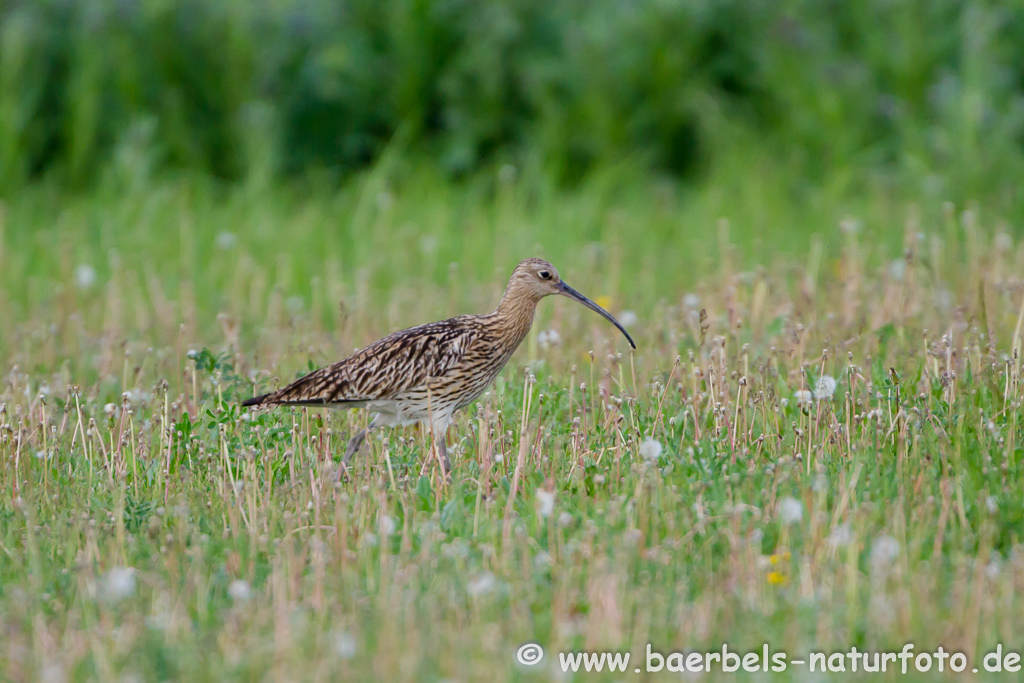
[353, 445]
[442, 452]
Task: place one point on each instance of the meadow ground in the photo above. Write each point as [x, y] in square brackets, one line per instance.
[816, 444]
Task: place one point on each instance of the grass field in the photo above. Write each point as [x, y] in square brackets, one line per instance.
[816, 444]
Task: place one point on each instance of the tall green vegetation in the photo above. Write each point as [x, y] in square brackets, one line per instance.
[927, 93]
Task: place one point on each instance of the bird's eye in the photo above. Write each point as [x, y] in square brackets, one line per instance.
[544, 275]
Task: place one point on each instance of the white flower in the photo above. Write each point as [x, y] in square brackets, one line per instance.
[691, 301]
[545, 502]
[803, 397]
[825, 388]
[564, 519]
[110, 409]
[119, 583]
[628, 318]
[85, 276]
[548, 338]
[650, 449]
[226, 240]
[790, 510]
[387, 525]
[884, 551]
[991, 504]
[481, 584]
[344, 645]
[239, 590]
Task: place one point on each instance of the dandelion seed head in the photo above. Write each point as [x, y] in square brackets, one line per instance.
[239, 590]
[897, 269]
[507, 174]
[994, 566]
[841, 536]
[226, 240]
[344, 645]
[850, 226]
[548, 338]
[85, 276]
[481, 584]
[428, 244]
[118, 584]
[52, 672]
[545, 502]
[884, 552]
[790, 510]
[825, 387]
[650, 449]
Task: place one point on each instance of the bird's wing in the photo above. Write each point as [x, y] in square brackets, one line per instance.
[385, 369]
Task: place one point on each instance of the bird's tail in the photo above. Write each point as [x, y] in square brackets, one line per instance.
[255, 400]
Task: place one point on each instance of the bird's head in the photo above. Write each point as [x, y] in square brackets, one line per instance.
[535, 279]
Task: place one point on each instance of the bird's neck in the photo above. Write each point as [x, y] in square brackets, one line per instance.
[515, 315]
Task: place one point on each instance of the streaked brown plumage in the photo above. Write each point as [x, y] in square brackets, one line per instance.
[426, 373]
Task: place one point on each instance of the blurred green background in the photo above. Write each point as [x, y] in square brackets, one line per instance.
[928, 92]
[378, 142]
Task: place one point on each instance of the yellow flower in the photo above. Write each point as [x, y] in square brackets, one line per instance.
[777, 578]
[604, 301]
[780, 557]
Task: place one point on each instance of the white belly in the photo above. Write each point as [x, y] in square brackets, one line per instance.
[395, 413]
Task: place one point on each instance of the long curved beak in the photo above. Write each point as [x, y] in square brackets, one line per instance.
[568, 291]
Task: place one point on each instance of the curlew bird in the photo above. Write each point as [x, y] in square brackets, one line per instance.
[426, 373]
